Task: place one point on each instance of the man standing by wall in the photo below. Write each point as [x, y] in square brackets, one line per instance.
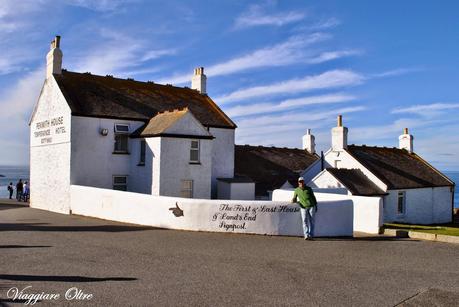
[304, 197]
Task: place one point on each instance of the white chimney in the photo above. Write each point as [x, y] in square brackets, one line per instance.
[339, 135]
[405, 141]
[199, 80]
[309, 142]
[54, 58]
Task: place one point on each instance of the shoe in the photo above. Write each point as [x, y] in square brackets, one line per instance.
[307, 238]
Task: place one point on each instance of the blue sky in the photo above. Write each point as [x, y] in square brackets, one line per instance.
[276, 67]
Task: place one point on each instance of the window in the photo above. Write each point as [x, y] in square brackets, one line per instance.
[121, 128]
[120, 183]
[401, 203]
[187, 189]
[121, 138]
[194, 151]
[143, 148]
[337, 163]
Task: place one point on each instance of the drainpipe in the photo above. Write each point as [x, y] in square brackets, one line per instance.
[321, 160]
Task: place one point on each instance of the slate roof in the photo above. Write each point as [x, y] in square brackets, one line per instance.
[356, 182]
[109, 97]
[270, 167]
[398, 168]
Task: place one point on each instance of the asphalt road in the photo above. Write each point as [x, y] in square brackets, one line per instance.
[127, 265]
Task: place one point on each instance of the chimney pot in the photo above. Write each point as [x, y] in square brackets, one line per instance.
[405, 131]
[340, 120]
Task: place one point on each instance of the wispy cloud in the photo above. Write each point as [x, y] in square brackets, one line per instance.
[118, 54]
[288, 127]
[99, 5]
[427, 109]
[260, 108]
[395, 72]
[329, 79]
[155, 54]
[256, 16]
[293, 50]
[332, 55]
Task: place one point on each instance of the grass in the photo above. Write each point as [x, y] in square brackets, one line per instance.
[443, 229]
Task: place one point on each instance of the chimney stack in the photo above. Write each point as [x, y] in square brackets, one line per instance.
[199, 80]
[309, 142]
[339, 135]
[54, 58]
[405, 141]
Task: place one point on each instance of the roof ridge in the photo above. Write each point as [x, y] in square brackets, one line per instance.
[111, 77]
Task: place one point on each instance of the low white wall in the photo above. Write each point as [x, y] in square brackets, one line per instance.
[334, 218]
[367, 211]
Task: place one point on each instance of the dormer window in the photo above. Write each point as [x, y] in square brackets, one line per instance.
[121, 138]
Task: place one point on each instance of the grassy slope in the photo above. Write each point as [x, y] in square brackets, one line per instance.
[446, 229]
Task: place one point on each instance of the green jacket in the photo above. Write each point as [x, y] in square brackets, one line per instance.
[306, 198]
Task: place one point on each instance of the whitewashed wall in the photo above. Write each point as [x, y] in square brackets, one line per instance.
[236, 190]
[367, 211]
[50, 128]
[258, 217]
[222, 156]
[175, 166]
[422, 206]
[93, 161]
[325, 180]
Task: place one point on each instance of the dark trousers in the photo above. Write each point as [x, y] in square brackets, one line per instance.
[11, 194]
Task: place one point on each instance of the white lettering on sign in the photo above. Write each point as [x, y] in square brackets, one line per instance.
[49, 131]
[233, 217]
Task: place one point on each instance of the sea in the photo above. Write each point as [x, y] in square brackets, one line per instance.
[14, 173]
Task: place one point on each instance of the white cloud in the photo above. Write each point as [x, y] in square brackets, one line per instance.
[260, 108]
[395, 72]
[117, 54]
[16, 105]
[286, 129]
[332, 55]
[427, 109]
[255, 16]
[99, 5]
[329, 79]
[289, 52]
[155, 54]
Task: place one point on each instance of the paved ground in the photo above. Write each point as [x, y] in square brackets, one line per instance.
[125, 265]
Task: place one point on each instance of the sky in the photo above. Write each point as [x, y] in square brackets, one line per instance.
[276, 68]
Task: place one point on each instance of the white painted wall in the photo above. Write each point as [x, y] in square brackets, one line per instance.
[236, 190]
[423, 206]
[140, 176]
[50, 154]
[258, 217]
[222, 156]
[325, 180]
[175, 166]
[93, 161]
[367, 211]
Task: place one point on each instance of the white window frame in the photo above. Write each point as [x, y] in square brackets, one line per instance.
[198, 149]
[401, 195]
[124, 133]
[117, 184]
[186, 188]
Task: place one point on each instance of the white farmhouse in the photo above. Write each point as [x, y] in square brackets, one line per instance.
[113, 133]
[413, 191]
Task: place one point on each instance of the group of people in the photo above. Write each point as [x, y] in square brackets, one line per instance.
[22, 190]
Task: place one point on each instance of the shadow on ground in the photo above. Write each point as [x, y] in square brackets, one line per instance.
[62, 278]
[23, 246]
[47, 227]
